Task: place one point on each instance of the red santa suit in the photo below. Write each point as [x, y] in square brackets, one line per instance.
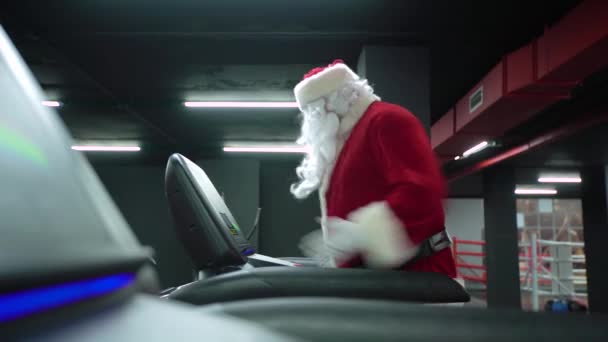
[385, 179]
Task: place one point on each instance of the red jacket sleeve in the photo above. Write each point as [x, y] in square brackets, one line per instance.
[405, 159]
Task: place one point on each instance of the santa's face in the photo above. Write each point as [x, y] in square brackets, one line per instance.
[322, 131]
[319, 132]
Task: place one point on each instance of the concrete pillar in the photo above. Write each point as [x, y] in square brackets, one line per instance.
[502, 256]
[595, 222]
[399, 75]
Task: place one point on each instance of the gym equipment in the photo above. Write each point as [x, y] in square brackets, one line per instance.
[331, 319]
[70, 267]
[230, 269]
[565, 305]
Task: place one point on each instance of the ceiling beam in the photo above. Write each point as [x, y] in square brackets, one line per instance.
[105, 91]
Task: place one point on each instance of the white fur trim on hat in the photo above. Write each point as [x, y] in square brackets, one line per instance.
[323, 83]
[388, 244]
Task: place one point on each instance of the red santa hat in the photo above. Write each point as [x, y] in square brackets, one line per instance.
[323, 81]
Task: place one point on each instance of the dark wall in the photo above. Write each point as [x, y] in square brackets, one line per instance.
[284, 219]
[400, 75]
[139, 193]
[468, 187]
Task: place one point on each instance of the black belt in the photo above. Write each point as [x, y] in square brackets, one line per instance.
[429, 247]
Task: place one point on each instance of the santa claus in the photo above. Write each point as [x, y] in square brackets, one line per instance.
[380, 186]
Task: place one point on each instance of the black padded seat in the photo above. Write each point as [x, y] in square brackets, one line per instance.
[332, 319]
[271, 282]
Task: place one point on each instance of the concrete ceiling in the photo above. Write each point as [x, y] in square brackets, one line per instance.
[588, 147]
[123, 68]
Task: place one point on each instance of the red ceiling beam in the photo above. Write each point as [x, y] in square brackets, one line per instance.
[527, 81]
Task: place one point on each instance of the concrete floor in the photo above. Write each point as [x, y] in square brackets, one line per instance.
[478, 299]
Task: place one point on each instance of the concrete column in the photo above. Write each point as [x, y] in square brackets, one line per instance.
[399, 75]
[502, 257]
[595, 222]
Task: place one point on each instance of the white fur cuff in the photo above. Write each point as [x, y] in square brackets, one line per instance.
[387, 243]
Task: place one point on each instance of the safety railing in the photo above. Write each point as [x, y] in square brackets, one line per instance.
[554, 274]
[476, 272]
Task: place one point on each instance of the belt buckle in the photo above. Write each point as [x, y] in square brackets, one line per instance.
[440, 241]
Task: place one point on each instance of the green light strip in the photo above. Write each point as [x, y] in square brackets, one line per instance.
[13, 141]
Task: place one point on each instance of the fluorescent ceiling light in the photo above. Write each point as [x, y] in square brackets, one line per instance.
[266, 149]
[535, 191]
[572, 177]
[240, 104]
[560, 179]
[475, 148]
[109, 148]
[51, 103]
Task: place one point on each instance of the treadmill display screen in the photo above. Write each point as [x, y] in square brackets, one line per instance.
[231, 227]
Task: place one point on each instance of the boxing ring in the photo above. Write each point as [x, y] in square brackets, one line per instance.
[549, 270]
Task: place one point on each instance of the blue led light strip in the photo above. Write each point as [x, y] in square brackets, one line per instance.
[23, 303]
[248, 252]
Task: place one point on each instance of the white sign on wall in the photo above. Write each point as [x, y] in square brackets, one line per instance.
[545, 205]
[520, 220]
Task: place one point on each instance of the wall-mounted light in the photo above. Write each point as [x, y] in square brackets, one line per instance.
[239, 104]
[479, 147]
[50, 103]
[108, 148]
[457, 158]
[269, 148]
[560, 177]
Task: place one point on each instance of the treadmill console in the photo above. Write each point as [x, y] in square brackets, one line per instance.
[203, 222]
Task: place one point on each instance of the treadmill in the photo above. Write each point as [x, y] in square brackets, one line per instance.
[212, 237]
[229, 269]
[104, 289]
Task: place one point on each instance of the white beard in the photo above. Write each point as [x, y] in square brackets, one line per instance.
[323, 131]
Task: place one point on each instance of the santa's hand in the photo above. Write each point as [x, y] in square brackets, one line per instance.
[313, 246]
[342, 242]
[344, 239]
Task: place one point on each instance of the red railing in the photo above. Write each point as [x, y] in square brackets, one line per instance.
[478, 270]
